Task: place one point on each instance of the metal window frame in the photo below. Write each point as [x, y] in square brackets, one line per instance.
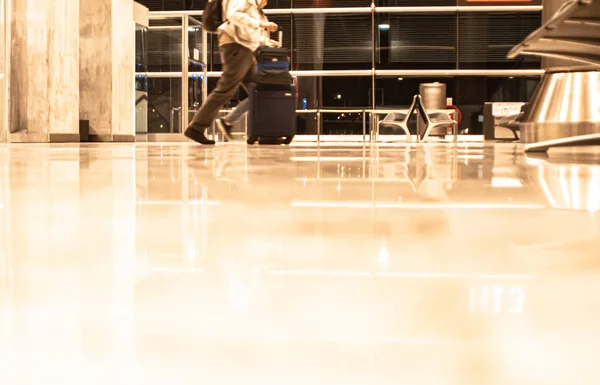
[194, 17]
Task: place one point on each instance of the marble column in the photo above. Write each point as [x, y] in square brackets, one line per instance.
[4, 69]
[107, 68]
[44, 82]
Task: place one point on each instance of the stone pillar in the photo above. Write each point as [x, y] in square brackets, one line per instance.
[107, 68]
[4, 69]
[44, 82]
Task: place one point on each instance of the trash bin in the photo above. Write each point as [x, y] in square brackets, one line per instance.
[433, 96]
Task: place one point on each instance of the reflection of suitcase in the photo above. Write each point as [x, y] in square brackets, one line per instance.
[271, 113]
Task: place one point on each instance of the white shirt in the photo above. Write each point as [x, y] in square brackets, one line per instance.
[243, 24]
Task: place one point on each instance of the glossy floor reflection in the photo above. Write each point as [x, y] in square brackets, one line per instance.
[175, 264]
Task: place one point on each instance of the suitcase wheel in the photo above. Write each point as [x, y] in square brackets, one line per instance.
[251, 139]
[288, 139]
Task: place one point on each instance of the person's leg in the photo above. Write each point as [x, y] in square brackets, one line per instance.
[242, 108]
[238, 112]
[237, 60]
[226, 124]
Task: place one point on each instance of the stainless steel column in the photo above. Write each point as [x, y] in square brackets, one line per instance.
[433, 96]
[550, 8]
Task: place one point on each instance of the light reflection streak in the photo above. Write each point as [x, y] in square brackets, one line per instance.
[564, 185]
[356, 274]
[431, 206]
[545, 187]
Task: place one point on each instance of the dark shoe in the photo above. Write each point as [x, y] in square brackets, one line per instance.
[225, 129]
[197, 135]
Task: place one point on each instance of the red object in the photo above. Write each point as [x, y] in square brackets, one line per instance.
[458, 113]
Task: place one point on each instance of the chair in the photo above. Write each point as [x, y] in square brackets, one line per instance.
[440, 119]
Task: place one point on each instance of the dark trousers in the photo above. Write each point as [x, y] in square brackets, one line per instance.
[238, 69]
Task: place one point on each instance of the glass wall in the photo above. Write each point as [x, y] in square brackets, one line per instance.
[352, 55]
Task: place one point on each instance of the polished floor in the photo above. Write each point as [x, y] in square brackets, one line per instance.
[174, 264]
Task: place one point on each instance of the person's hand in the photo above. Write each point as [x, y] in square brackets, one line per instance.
[271, 27]
[274, 43]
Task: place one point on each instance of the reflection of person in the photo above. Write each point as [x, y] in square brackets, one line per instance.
[244, 31]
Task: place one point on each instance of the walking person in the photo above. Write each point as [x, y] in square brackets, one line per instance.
[245, 29]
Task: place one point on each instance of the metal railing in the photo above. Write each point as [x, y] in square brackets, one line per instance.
[372, 134]
[372, 9]
[192, 18]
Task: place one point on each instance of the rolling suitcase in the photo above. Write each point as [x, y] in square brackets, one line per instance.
[272, 98]
[271, 113]
[272, 66]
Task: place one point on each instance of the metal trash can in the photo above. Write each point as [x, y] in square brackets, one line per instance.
[433, 96]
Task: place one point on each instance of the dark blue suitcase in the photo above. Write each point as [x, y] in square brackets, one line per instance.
[271, 113]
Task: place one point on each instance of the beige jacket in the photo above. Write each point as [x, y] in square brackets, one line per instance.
[243, 24]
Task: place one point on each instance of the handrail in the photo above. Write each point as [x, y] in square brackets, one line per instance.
[341, 111]
[393, 110]
[352, 111]
[382, 73]
[455, 9]
[459, 72]
[165, 28]
[362, 10]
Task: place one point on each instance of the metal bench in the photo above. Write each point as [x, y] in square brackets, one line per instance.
[433, 120]
[565, 108]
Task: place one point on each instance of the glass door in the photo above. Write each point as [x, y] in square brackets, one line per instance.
[141, 79]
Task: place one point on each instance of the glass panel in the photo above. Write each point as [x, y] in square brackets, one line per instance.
[164, 105]
[416, 41]
[141, 80]
[310, 92]
[196, 67]
[306, 122]
[475, 91]
[141, 48]
[347, 92]
[195, 93]
[332, 41]
[164, 45]
[343, 123]
[214, 58]
[285, 25]
[396, 93]
[486, 39]
[195, 48]
[279, 4]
